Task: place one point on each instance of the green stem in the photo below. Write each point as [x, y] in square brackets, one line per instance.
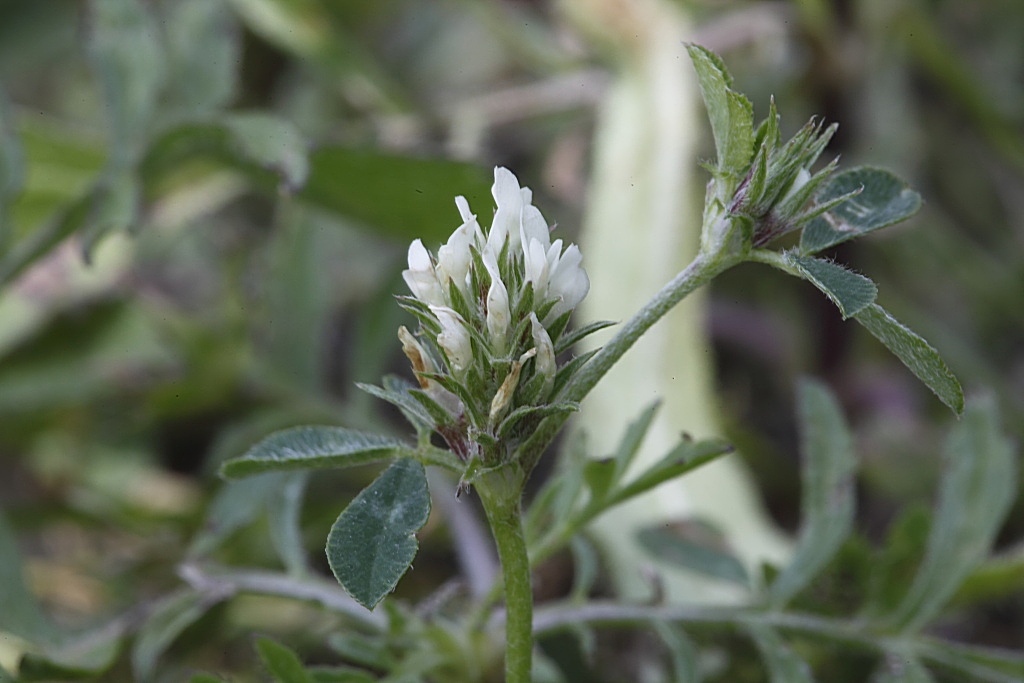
[698, 273]
[501, 496]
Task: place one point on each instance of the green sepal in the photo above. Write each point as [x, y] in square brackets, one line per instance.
[558, 325]
[438, 413]
[565, 373]
[396, 392]
[459, 304]
[519, 414]
[452, 385]
[570, 338]
[524, 303]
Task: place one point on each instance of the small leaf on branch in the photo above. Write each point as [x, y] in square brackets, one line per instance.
[127, 55]
[918, 355]
[900, 668]
[282, 663]
[695, 547]
[313, 447]
[21, 614]
[373, 542]
[783, 665]
[975, 496]
[827, 482]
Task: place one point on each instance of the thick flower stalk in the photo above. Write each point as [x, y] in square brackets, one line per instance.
[493, 307]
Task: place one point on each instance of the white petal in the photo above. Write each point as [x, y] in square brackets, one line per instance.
[509, 201]
[535, 266]
[419, 257]
[454, 258]
[568, 281]
[420, 277]
[464, 211]
[533, 227]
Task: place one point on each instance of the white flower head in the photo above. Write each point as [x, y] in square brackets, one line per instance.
[486, 315]
[454, 338]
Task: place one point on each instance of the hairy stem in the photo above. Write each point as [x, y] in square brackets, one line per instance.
[501, 496]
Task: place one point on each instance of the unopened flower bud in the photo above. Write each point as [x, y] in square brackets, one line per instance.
[417, 355]
[454, 338]
[545, 349]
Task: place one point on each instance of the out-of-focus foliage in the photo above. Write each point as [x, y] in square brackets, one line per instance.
[242, 177]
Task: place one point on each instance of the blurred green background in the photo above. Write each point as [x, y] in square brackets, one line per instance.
[205, 206]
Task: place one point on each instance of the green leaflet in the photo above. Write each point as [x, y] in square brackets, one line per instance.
[693, 551]
[884, 199]
[373, 542]
[917, 354]
[731, 114]
[783, 665]
[313, 447]
[203, 54]
[849, 291]
[20, 613]
[128, 57]
[282, 663]
[174, 614]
